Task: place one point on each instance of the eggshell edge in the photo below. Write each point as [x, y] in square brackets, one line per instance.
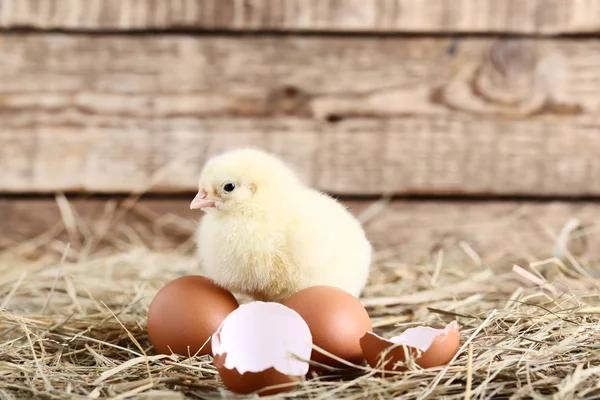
[430, 341]
[255, 382]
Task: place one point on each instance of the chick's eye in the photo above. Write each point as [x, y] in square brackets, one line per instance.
[229, 187]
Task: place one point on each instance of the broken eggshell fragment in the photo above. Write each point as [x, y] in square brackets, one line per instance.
[262, 344]
[430, 347]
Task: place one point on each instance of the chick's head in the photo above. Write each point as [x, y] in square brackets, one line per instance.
[242, 180]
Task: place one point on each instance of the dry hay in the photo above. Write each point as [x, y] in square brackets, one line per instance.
[75, 328]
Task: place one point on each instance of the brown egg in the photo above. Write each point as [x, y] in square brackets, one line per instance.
[337, 320]
[185, 313]
[436, 347]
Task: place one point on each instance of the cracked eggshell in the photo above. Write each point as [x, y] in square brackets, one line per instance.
[436, 347]
[185, 313]
[262, 344]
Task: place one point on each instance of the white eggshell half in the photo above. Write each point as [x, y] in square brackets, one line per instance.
[262, 335]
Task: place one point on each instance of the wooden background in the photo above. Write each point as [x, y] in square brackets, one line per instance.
[472, 99]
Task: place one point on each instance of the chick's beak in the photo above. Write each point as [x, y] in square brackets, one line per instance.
[200, 201]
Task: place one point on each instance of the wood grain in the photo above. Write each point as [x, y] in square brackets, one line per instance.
[355, 115]
[431, 16]
[410, 231]
[358, 157]
[316, 77]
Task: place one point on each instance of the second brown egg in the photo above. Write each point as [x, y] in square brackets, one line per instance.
[337, 320]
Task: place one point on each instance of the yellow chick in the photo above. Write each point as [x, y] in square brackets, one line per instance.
[267, 234]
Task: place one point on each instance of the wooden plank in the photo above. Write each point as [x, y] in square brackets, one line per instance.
[357, 157]
[357, 116]
[383, 16]
[310, 77]
[413, 231]
[321, 77]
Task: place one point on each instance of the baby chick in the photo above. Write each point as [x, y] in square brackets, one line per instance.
[268, 235]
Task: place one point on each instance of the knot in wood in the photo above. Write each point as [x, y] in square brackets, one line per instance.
[289, 100]
[512, 58]
[508, 74]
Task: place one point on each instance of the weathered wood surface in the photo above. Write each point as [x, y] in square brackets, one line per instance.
[359, 157]
[356, 115]
[435, 16]
[412, 231]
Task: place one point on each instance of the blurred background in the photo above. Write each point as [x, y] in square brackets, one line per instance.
[466, 124]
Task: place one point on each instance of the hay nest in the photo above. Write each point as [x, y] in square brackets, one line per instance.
[75, 327]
